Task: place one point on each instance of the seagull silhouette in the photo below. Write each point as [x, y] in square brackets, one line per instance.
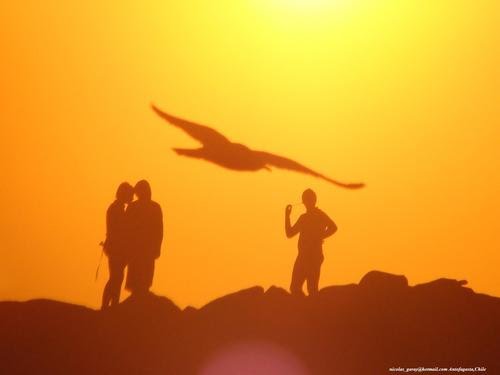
[219, 150]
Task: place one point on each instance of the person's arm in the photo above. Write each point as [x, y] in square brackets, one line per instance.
[290, 230]
[331, 227]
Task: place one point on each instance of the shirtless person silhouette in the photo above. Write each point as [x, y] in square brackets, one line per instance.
[313, 227]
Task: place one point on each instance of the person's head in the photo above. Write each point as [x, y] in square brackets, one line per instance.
[143, 190]
[125, 193]
[309, 198]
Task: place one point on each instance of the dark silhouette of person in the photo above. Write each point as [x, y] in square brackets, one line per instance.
[313, 227]
[145, 222]
[115, 245]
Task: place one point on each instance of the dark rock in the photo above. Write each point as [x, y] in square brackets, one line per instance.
[349, 330]
[377, 281]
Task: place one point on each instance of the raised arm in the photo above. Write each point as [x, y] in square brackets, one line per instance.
[290, 230]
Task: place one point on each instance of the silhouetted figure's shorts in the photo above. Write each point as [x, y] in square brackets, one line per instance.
[140, 275]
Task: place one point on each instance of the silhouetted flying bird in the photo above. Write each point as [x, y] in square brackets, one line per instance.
[221, 151]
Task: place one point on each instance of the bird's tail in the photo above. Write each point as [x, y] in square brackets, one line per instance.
[194, 153]
[354, 185]
[351, 186]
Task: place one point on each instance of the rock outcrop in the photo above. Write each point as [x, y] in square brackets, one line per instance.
[356, 329]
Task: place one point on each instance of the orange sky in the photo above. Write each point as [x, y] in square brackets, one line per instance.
[401, 95]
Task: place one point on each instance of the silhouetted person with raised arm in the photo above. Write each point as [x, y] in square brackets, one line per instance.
[146, 234]
[116, 244]
[313, 227]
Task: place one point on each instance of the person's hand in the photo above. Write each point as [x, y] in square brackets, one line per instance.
[288, 210]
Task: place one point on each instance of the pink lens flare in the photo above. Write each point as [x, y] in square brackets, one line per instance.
[254, 357]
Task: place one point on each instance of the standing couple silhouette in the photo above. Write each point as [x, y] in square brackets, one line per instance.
[134, 233]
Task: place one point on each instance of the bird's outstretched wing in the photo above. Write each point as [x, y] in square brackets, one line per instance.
[285, 163]
[201, 133]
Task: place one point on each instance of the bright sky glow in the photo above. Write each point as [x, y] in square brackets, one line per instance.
[402, 95]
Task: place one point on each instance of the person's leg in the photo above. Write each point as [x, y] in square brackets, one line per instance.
[114, 285]
[108, 289]
[298, 277]
[148, 270]
[150, 274]
[106, 296]
[140, 276]
[313, 274]
[130, 282]
[118, 270]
